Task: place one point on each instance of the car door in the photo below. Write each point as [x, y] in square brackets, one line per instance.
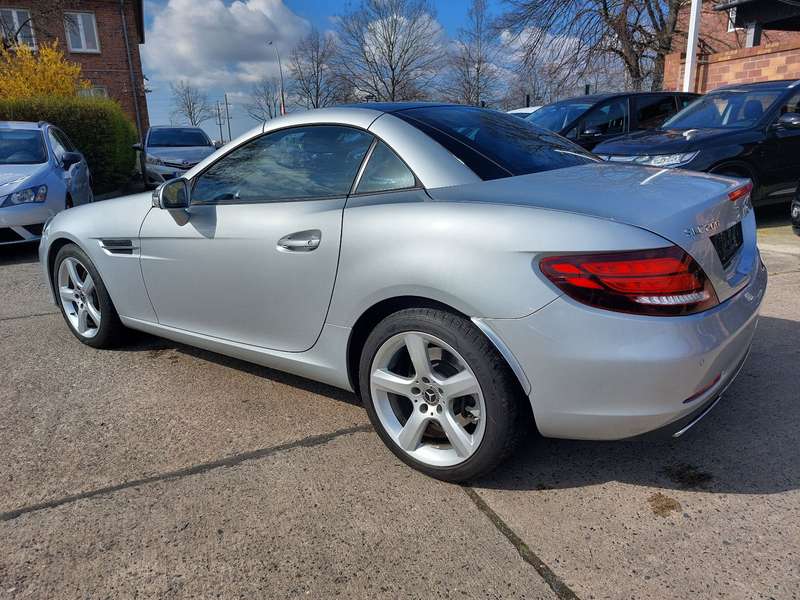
[780, 162]
[253, 259]
[76, 177]
[605, 121]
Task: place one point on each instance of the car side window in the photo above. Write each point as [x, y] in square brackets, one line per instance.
[610, 118]
[385, 172]
[300, 162]
[652, 111]
[792, 105]
[65, 141]
[56, 145]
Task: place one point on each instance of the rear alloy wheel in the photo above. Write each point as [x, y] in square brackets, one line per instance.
[439, 394]
[84, 301]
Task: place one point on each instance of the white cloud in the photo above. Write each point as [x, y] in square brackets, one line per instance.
[213, 45]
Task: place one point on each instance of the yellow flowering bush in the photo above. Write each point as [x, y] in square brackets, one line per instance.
[28, 74]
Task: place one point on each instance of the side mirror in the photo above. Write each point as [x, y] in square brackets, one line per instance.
[218, 144]
[70, 158]
[173, 194]
[591, 132]
[789, 120]
[138, 146]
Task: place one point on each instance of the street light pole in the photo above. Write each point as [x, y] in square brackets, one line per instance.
[280, 70]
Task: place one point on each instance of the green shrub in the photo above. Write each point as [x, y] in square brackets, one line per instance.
[97, 126]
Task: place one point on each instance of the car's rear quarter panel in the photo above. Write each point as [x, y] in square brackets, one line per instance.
[477, 258]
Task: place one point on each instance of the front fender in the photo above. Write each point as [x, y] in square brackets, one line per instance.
[86, 226]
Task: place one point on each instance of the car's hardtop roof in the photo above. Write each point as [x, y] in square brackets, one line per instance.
[22, 125]
[393, 107]
[595, 98]
[183, 127]
[778, 84]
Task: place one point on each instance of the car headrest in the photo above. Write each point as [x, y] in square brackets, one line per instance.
[753, 109]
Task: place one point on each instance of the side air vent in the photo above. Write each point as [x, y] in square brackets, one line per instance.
[118, 246]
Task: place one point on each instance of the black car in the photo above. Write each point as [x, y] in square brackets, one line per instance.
[590, 120]
[748, 130]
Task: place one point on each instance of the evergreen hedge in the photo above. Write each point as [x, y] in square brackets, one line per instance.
[97, 126]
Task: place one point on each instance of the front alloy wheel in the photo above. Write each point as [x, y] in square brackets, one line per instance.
[79, 298]
[84, 300]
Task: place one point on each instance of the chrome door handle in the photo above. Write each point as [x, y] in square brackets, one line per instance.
[300, 241]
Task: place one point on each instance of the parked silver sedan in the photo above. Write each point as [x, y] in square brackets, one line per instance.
[171, 151]
[459, 268]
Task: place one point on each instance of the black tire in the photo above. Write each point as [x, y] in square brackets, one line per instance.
[111, 331]
[502, 395]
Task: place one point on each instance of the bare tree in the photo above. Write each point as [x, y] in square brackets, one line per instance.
[315, 81]
[473, 76]
[638, 32]
[189, 104]
[389, 49]
[266, 102]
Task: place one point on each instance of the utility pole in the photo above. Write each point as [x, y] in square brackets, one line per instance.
[691, 46]
[280, 70]
[228, 115]
[219, 122]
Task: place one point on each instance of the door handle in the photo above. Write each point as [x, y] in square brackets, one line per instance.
[300, 241]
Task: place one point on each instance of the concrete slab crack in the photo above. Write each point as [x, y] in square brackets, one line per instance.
[44, 314]
[229, 461]
[556, 584]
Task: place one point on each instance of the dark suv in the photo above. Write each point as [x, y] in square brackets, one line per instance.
[749, 130]
[590, 120]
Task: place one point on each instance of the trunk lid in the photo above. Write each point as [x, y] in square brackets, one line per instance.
[689, 209]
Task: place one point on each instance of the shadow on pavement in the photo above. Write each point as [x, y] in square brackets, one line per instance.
[143, 342]
[15, 254]
[775, 215]
[746, 445]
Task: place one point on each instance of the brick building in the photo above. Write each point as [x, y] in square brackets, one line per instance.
[102, 35]
[740, 41]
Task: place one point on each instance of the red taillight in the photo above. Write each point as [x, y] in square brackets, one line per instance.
[663, 281]
[740, 191]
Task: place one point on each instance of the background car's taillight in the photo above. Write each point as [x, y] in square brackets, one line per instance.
[662, 281]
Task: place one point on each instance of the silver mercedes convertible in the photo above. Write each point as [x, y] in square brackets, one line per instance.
[469, 275]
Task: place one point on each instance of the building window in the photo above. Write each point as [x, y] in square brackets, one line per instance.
[16, 24]
[96, 91]
[732, 20]
[81, 32]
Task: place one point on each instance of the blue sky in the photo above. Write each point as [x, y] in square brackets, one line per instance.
[221, 46]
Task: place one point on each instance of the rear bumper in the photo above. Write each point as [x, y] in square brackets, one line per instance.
[601, 375]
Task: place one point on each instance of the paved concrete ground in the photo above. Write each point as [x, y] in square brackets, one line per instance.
[165, 471]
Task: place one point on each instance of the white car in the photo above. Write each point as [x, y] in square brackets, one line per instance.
[524, 112]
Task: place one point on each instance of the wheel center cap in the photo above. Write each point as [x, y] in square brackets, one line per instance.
[430, 395]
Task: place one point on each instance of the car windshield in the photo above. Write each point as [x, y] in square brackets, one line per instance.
[22, 147]
[726, 109]
[177, 138]
[557, 116]
[495, 144]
